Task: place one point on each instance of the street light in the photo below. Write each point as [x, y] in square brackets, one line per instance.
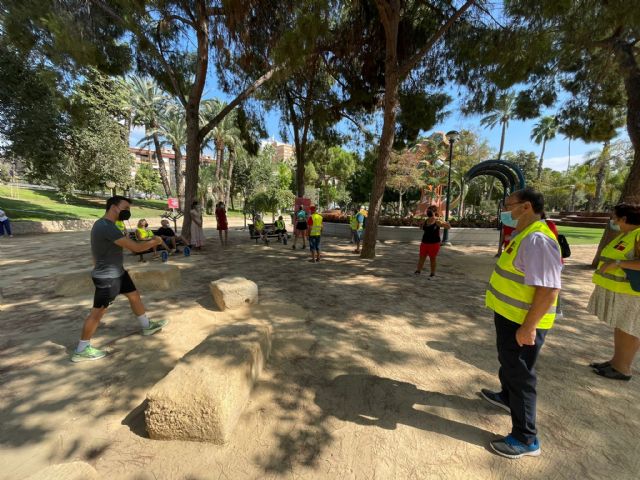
[452, 136]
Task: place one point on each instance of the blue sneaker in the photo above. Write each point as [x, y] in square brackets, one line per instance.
[511, 448]
[495, 398]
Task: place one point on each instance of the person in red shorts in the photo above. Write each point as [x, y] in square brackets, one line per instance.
[430, 245]
[221, 218]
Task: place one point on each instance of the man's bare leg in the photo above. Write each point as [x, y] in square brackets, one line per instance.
[91, 323]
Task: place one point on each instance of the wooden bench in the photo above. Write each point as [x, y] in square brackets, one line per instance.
[270, 230]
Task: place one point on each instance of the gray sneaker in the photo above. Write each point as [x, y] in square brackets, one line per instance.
[154, 327]
[495, 398]
[88, 354]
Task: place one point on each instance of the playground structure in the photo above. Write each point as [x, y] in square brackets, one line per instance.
[507, 173]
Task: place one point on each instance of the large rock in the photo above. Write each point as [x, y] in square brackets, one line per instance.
[147, 277]
[67, 471]
[202, 398]
[233, 292]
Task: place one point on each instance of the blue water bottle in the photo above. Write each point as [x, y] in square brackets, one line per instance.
[187, 251]
[165, 256]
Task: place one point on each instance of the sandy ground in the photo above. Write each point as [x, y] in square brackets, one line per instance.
[374, 372]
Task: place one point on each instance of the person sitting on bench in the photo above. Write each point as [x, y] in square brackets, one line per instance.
[167, 234]
[144, 234]
[281, 230]
[260, 230]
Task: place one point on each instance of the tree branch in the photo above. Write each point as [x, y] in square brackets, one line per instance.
[413, 61]
[246, 93]
[181, 19]
[157, 52]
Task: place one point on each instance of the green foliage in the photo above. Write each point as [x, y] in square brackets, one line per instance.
[33, 125]
[147, 180]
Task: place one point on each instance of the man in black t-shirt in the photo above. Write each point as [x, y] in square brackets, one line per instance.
[168, 235]
[110, 278]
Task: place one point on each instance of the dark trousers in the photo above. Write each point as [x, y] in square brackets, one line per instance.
[5, 225]
[518, 377]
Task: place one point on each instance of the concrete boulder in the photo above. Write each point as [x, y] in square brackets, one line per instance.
[67, 471]
[233, 292]
[202, 398]
[147, 277]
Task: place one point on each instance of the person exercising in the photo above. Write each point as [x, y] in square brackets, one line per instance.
[110, 278]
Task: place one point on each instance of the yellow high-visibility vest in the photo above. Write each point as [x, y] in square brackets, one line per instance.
[353, 222]
[621, 248]
[144, 233]
[279, 224]
[507, 294]
[316, 228]
[259, 225]
[121, 227]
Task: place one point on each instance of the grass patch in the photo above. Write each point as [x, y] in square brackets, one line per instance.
[39, 205]
[581, 235]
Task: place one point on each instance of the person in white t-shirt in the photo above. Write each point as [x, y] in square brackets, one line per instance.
[5, 224]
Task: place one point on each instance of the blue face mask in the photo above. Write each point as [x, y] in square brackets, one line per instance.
[508, 220]
[614, 226]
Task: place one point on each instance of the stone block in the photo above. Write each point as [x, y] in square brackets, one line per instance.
[233, 292]
[67, 471]
[147, 277]
[202, 398]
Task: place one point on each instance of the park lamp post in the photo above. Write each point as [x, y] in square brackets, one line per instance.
[452, 136]
[110, 185]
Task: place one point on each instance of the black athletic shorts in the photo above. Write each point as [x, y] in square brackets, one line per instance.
[301, 225]
[107, 289]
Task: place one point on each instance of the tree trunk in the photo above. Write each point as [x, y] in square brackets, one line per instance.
[504, 133]
[630, 72]
[601, 175]
[400, 204]
[299, 144]
[163, 172]
[227, 193]
[390, 20]
[177, 172]
[193, 166]
[544, 144]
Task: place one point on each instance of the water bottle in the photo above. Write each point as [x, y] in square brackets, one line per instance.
[165, 256]
[187, 251]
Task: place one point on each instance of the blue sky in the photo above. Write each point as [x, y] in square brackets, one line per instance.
[517, 137]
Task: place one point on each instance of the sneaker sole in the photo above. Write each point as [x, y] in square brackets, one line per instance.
[146, 333]
[497, 404]
[85, 359]
[534, 453]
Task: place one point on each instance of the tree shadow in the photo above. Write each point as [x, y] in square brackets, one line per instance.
[376, 401]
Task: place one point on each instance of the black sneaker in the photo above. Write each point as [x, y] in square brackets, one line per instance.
[495, 398]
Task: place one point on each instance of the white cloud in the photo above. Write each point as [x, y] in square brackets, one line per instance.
[560, 163]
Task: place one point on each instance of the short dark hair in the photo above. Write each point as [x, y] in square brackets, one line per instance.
[532, 196]
[116, 199]
[629, 210]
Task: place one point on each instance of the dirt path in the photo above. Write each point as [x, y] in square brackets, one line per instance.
[374, 372]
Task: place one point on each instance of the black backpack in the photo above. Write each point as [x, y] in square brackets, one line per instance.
[565, 249]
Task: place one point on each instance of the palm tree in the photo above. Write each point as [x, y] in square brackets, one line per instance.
[147, 101]
[173, 129]
[544, 130]
[502, 112]
[225, 135]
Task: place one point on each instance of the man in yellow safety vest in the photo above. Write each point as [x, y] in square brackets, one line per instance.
[523, 293]
[315, 225]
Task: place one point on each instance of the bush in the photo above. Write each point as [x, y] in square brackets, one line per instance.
[470, 221]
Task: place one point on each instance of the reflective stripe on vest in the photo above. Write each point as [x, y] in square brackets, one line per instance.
[145, 233]
[507, 293]
[316, 228]
[120, 226]
[621, 248]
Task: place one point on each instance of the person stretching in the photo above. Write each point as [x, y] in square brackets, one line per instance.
[110, 278]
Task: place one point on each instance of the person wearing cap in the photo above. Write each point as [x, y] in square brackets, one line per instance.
[315, 230]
